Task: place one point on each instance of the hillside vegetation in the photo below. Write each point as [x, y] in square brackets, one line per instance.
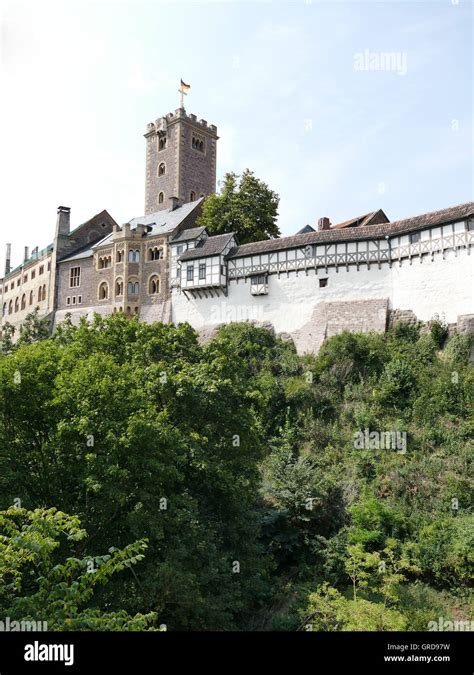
[148, 480]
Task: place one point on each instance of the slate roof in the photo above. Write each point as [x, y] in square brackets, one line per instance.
[452, 214]
[212, 246]
[165, 221]
[189, 234]
[161, 222]
[306, 229]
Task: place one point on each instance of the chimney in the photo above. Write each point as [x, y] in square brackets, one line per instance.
[63, 222]
[174, 203]
[8, 258]
[324, 224]
[27, 254]
[34, 252]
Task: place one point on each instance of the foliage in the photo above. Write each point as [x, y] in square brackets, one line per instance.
[37, 583]
[236, 461]
[247, 207]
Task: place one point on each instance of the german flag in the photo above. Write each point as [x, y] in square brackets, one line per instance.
[184, 85]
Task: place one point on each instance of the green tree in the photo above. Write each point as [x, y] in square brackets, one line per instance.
[38, 583]
[247, 207]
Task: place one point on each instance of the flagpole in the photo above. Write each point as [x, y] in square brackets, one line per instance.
[183, 93]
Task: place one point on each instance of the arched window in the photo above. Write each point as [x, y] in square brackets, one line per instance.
[161, 198]
[162, 143]
[23, 301]
[131, 256]
[103, 291]
[161, 169]
[44, 292]
[31, 297]
[119, 256]
[119, 287]
[192, 196]
[137, 256]
[4, 310]
[17, 305]
[10, 307]
[128, 310]
[154, 285]
[132, 288]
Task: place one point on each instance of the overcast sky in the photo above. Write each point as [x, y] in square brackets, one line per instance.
[300, 93]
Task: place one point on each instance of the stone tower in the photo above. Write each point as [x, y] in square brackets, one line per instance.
[180, 160]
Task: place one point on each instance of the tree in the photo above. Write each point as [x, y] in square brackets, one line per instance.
[249, 208]
[37, 584]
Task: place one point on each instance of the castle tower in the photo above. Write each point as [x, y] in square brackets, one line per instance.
[180, 160]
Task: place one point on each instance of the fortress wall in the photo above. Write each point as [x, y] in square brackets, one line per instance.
[295, 303]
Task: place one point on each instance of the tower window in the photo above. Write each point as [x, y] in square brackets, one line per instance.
[192, 197]
[197, 144]
[161, 198]
[132, 288]
[161, 169]
[162, 143]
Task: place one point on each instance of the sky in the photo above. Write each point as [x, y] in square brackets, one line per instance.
[340, 107]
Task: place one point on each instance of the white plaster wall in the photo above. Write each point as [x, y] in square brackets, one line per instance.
[435, 286]
[443, 287]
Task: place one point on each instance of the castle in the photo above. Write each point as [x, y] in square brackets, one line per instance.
[162, 266]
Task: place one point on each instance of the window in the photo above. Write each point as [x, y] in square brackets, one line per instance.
[179, 250]
[73, 299]
[31, 297]
[162, 143]
[470, 225]
[68, 300]
[178, 272]
[17, 305]
[18, 281]
[133, 256]
[154, 285]
[41, 269]
[10, 307]
[33, 274]
[414, 237]
[23, 301]
[79, 299]
[161, 198]
[4, 310]
[190, 272]
[25, 278]
[119, 256]
[323, 283]
[133, 288]
[119, 287]
[197, 144]
[202, 270]
[192, 196]
[49, 265]
[103, 291]
[12, 285]
[155, 253]
[258, 279]
[161, 169]
[75, 277]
